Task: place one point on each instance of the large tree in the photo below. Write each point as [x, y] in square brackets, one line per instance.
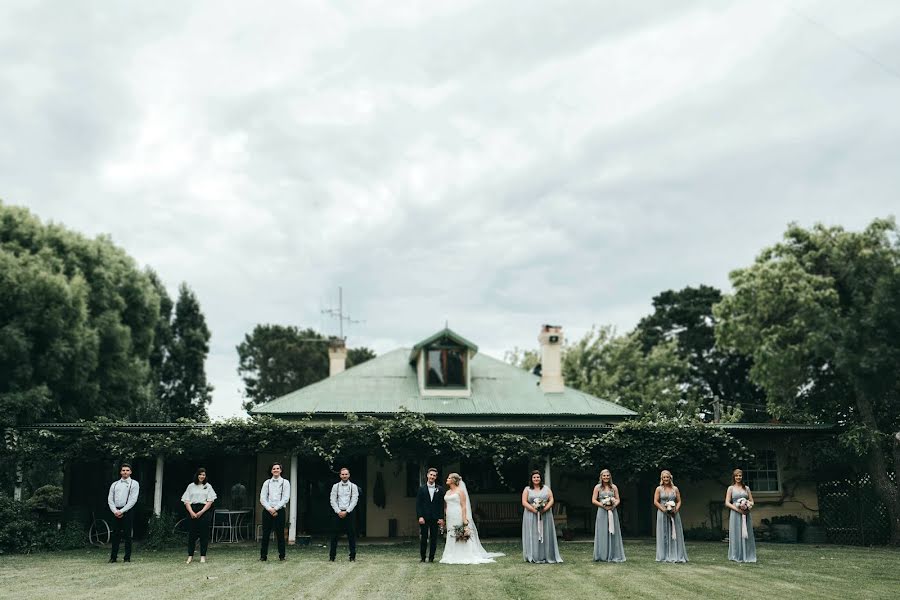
[185, 392]
[615, 367]
[819, 313]
[274, 360]
[716, 375]
[77, 321]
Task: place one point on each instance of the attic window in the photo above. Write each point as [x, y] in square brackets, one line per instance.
[445, 367]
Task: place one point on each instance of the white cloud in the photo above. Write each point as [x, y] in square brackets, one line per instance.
[494, 164]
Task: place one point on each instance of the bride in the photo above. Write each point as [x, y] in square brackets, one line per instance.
[458, 510]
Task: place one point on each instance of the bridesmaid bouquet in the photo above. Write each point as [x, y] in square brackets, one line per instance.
[670, 509]
[461, 533]
[744, 505]
[539, 504]
[608, 501]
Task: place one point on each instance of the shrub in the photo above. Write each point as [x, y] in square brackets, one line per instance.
[18, 526]
[789, 520]
[704, 533]
[46, 498]
[160, 532]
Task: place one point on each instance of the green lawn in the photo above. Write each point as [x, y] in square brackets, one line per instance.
[794, 572]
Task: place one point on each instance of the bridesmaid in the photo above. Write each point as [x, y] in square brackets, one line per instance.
[198, 499]
[607, 539]
[538, 531]
[741, 545]
[669, 533]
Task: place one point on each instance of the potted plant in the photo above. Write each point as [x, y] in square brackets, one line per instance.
[786, 528]
[814, 532]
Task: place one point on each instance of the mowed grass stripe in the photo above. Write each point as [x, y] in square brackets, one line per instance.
[394, 572]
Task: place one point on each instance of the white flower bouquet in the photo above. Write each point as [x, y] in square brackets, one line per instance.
[670, 506]
[743, 504]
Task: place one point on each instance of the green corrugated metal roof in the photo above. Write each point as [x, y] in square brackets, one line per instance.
[387, 384]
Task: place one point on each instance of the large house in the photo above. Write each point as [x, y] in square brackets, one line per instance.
[445, 378]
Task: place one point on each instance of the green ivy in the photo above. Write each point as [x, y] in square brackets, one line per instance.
[632, 449]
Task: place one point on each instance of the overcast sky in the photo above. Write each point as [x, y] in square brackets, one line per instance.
[495, 165]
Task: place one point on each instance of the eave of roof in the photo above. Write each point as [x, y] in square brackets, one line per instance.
[446, 332]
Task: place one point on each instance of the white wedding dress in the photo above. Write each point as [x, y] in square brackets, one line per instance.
[470, 552]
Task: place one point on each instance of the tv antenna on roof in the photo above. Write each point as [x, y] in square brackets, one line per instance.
[339, 313]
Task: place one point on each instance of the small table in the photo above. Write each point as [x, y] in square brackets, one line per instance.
[227, 525]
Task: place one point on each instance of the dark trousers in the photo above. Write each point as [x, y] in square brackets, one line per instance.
[199, 528]
[341, 526]
[269, 524]
[122, 528]
[428, 537]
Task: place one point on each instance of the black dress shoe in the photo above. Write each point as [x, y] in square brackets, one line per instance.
[126, 560]
[263, 559]
[352, 559]
[331, 558]
[431, 559]
[112, 560]
[421, 560]
[281, 559]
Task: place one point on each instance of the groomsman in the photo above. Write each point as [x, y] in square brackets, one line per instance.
[344, 496]
[430, 510]
[123, 495]
[273, 496]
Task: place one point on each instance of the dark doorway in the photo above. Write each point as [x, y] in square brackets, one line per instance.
[316, 478]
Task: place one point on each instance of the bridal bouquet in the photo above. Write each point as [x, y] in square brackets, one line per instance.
[461, 533]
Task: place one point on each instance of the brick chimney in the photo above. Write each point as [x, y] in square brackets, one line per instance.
[551, 339]
[337, 356]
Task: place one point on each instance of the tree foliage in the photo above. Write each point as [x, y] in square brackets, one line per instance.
[184, 390]
[84, 333]
[615, 368]
[77, 322]
[714, 375]
[274, 360]
[819, 314]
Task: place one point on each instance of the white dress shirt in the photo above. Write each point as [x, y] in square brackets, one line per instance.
[431, 489]
[344, 496]
[123, 495]
[275, 493]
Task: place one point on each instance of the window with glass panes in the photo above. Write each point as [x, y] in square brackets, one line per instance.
[762, 474]
[445, 367]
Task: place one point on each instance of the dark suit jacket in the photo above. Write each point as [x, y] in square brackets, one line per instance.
[430, 508]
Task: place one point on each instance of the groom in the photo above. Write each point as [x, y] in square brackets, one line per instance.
[430, 510]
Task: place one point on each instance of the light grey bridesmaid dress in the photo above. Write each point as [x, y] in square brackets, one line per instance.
[537, 548]
[668, 549]
[740, 549]
[608, 546]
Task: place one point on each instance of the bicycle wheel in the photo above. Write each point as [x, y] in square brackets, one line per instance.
[99, 533]
[181, 527]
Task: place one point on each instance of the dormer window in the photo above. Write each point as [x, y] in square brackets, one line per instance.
[445, 367]
[442, 364]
